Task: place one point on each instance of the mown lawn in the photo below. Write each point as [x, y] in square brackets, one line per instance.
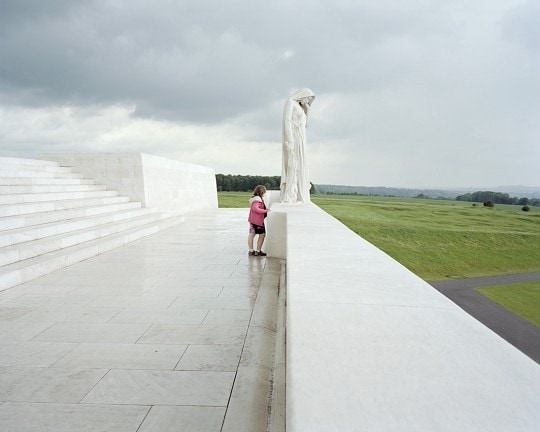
[233, 199]
[523, 299]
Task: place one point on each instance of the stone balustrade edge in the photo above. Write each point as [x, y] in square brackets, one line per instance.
[371, 346]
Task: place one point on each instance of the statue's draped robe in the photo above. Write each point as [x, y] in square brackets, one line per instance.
[295, 183]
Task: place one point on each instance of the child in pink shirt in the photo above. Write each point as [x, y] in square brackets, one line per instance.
[257, 213]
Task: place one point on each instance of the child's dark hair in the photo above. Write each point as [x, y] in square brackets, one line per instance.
[259, 191]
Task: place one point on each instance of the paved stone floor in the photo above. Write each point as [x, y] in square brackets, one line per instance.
[147, 337]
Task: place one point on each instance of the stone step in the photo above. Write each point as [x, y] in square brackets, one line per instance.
[49, 206]
[7, 171]
[31, 219]
[7, 181]
[14, 161]
[51, 217]
[34, 169]
[53, 196]
[15, 236]
[31, 249]
[37, 189]
[23, 271]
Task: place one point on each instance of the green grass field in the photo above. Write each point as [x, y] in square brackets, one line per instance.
[523, 299]
[233, 199]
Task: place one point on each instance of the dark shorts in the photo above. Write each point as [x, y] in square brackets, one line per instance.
[256, 229]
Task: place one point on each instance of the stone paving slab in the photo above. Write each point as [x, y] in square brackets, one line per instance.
[211, 358]
[33, 354]
[47, 384]
[49, 417]
[147, 337]
[153, 387]
[194, 334]
[183, 418]
[90, 332]
[122, 356]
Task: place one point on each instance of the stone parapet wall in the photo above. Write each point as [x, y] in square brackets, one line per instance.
[371, 346]
[165, 184]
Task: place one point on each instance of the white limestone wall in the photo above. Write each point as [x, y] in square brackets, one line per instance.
[276, 235]
[165, 184]
[372, 347]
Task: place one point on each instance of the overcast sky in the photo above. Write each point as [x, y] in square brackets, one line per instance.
[409, 93]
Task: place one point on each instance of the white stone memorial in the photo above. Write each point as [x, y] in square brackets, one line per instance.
[295, 183]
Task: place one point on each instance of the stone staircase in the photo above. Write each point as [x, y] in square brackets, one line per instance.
[51, 217]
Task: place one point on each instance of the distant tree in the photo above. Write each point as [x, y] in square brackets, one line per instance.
[494, 197]
[465, 197]
[227, 184]
[489, 204]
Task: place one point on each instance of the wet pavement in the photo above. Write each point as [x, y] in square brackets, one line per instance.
[148, 337]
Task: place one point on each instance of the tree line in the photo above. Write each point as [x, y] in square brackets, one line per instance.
[497, 198]
[245, 183]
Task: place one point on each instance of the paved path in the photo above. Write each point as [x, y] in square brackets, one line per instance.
[159, 335]
[521, 333]
[147, 337]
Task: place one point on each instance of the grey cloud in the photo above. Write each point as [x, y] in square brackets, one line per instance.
[16, 11]
[522, 26]
[407, 81]
[190, 60]
[134, 55]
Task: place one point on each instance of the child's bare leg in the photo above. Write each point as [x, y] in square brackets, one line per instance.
[251, 237]
[260, 241]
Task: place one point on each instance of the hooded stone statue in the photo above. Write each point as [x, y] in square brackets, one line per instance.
[295, 183]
